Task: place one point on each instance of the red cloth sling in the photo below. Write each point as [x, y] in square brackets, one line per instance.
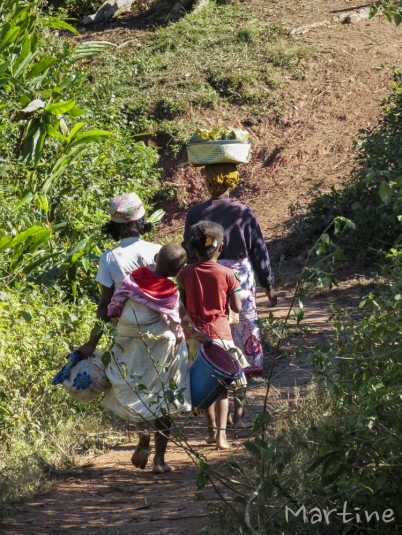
[153, 284]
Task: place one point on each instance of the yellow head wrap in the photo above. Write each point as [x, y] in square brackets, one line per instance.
[220, 177]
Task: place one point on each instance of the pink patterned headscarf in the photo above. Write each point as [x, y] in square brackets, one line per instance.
[126, 208]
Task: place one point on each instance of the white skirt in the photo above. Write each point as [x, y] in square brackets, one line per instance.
[148, 372]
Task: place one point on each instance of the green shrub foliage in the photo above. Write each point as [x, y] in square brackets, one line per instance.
[372, 197]
[59, 171]
[62, 158]
[75, 8]
[342, 443]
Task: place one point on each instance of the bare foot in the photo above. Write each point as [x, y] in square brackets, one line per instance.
[211, 439]
[140, 457]
[222, 445]
[161, 468]
[141, 453]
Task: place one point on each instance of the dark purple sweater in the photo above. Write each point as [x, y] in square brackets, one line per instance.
[243, 236]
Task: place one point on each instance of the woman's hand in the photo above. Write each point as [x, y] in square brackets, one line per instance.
[87, 349]
[272, 297]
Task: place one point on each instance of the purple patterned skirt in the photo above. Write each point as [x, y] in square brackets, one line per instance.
[246, 334]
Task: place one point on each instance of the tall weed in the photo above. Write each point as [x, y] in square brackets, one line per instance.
[42, 430]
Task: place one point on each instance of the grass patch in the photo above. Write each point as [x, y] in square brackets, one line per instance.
[27, 464]
[43, 432]
[221, 58]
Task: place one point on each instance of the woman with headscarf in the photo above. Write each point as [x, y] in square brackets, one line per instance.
[244, 251]
[127, 224]
[149, 360]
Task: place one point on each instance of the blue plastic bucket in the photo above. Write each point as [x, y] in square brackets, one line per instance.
[212, 370]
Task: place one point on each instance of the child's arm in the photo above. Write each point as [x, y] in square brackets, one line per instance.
[235, 302]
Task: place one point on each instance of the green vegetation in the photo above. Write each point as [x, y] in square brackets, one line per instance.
[391, 9]
[342, 443]
[42, 430]
[72, 126]
[371, 197]
[62, 160]
[218, 58]
[51, 157]
[75, 8]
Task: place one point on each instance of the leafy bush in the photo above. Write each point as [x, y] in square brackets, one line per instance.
[75, 8]
[60, 166]
[41, 428]
[38, 331]
[51, 160]
[342, 443]
[372, 197]
[391, 9]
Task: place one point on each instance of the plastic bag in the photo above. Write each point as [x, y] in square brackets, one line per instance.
[83, 378]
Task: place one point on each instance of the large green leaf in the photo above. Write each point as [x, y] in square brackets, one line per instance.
[24, 56]
[8, 38]
[76, 112]
[90, 137]
[26, 199]
[19, 68]
[37, 239]
[76, 128]
[21, 15]
[4, 242]
[41, 67]
[80, 246]
[28, 247]
[157, 216]
[58, 24]
[33, 142]
[54, 133]
[89, 49]
[26, 234]
[58, 108]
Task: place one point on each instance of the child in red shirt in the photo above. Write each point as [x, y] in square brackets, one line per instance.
[207, 290]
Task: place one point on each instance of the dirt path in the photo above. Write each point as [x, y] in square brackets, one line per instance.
[110, 497]
[305, 148]
[306, 143]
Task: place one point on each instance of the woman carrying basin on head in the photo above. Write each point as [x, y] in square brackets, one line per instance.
[244, 251]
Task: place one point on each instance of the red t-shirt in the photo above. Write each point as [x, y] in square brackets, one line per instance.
[208, 286]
